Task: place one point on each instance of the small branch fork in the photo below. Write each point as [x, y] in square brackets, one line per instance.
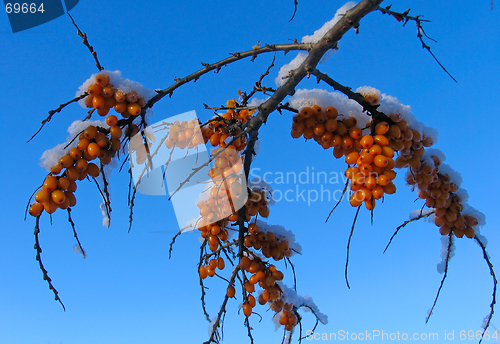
[420, 31]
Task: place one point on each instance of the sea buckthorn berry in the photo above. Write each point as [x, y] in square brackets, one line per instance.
[381, 128]
[75, 153]
[134, 109]
[355, 132]
[92, 170]
[331, 112]
[231, 291]
[50, 206]
[42, 196]
[50, 184]
[89, 101]
[121, 108]
[381, 140]
[350, 121]
[58, 196]
[101, 140]
[94, 89]
[102, 79]
[103, 111]
[98, 102]
[366, 141]
[81, 165]
[66, 161]
[110, 103]
[204, 273]
[90, 132]
[93, 149]
[35, 209]
[380, 161]
[63, 183]
[306, 112]
[108, 92]
[132, 97]
[331, 124]
[247, 309]
[115, 132]
[351, 158]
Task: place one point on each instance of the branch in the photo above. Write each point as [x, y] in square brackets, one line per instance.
[52, 112]
[420, 31]
[450, 242]
[39, 259]
[87, 44]
[404, 224]
[492, 272]
[348, 245]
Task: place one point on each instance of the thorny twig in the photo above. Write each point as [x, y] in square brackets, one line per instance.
[52, 112]
[87, 44]
[39, 259]
[420, 31]
[338, 202]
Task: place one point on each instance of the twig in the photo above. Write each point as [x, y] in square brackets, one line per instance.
[492, 272]
[295, 3]
[338, 202]
[420, 31]
[52, 112]
[87, 44]
[404, 224]
[450, 243]
[348, 246]
[39, 259]
[84, 254]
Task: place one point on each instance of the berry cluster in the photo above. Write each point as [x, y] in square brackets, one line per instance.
[184, 134]
[371, 156]
[372, 172]
[439, 192]
[264, 275]
[102, 96]
[93, 144]
[271, 245]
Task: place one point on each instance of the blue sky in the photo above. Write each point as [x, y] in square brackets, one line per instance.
[127, 290]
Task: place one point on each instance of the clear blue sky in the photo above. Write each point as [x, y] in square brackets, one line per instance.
[127, 290]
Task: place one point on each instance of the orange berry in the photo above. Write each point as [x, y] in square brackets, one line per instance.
[121, 107]
[42, 196]
[390, 188]
[102, 79]
[378, 192]
[380, 161]
[204, 274]
[134, 109]
[90, 132]
[120, 96]
[382, 128]
[366, 141]
[58, 196]
[93, 149]
[93, 170]
[98, 102]
[50, 206]
[63, 183]
[351, 158]
[132, 97]
[388, 152]
[231, 291]
[35, 209]
[115, 132]
[110, 102]
[306, 112]
[94, 89]
[355, 133]
[331, 112]
[108, 91]
[381, 140]
[50, 184]
[66, 161]
[56, 169]
[247, 309]
[81, 165]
